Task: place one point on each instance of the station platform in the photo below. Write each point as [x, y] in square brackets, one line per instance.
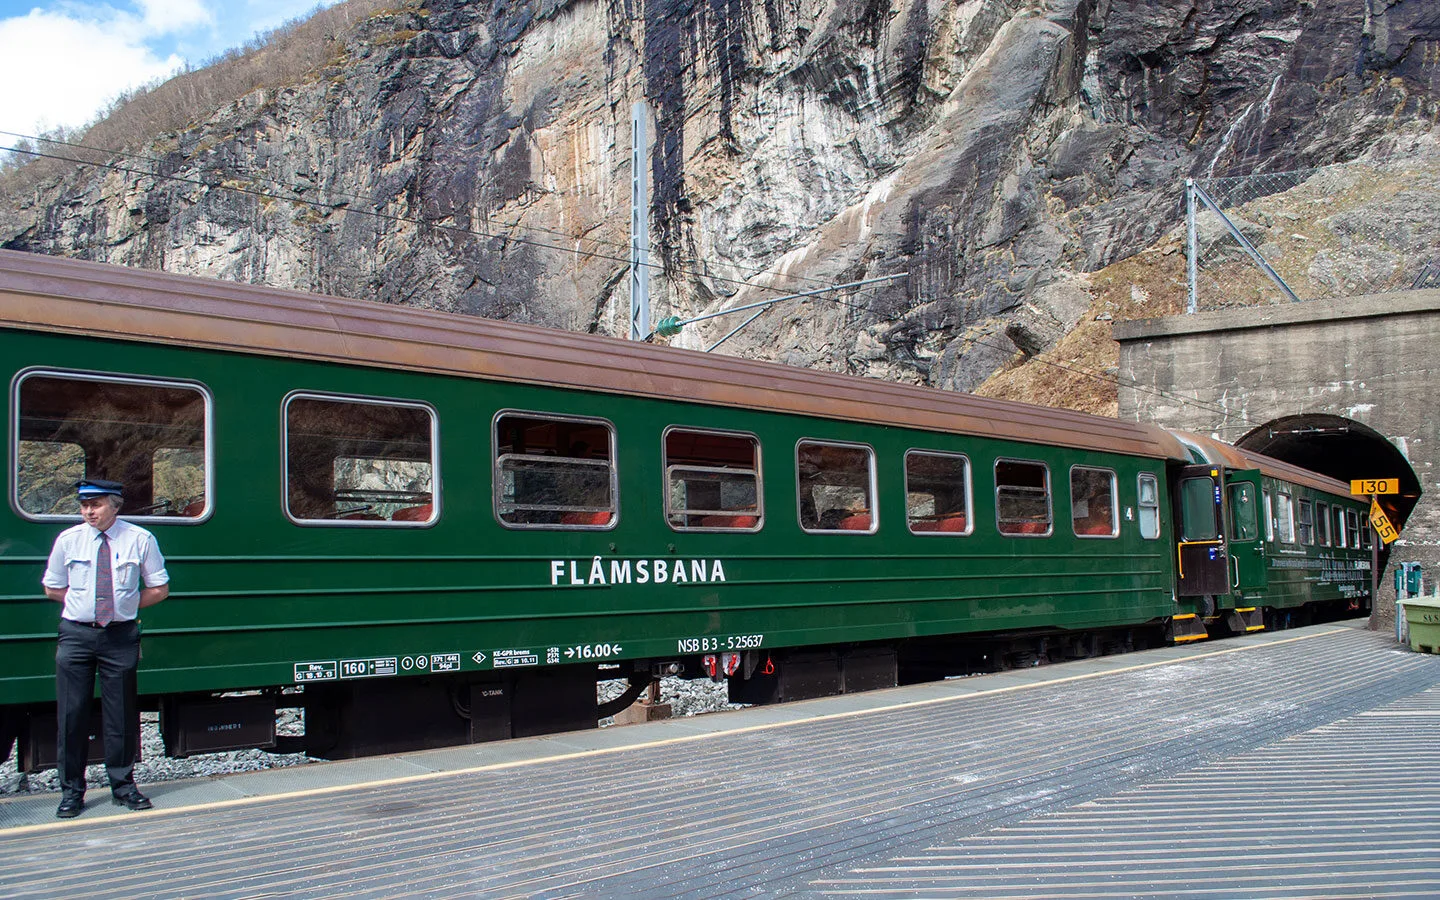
[1292, 764]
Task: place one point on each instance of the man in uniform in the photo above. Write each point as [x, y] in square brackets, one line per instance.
[95, 571]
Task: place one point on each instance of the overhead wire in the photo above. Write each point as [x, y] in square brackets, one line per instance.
[849, 103]
[378, 201]
[292, 197]
[410, 220]
[1203, 405]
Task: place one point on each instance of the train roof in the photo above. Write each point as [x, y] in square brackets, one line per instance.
[1220, 453]
[54, 294]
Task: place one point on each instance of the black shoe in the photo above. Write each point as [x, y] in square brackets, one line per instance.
[70, 806]
[132, 799]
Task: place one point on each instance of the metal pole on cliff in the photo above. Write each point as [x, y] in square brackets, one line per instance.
[639, 224]
[1192, 301]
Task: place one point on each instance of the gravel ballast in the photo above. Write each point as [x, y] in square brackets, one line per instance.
[686, 698]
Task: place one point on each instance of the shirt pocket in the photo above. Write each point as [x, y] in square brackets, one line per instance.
[79, 573]
[127, 574]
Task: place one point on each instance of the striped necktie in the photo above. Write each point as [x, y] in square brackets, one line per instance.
[104, 584]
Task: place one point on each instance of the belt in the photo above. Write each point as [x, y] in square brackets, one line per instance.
[97, 625]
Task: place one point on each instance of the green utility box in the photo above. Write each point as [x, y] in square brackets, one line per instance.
[1422, 615]
[1409, 579]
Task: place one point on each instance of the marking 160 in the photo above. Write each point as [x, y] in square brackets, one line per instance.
[592, 651]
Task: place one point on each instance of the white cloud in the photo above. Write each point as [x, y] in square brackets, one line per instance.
[63, 62]
[169, 16]
[61, 71]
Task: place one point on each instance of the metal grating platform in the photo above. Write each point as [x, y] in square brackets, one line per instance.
[1259, 766]
[1344, 810]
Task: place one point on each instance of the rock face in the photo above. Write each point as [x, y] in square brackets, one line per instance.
[476, 158]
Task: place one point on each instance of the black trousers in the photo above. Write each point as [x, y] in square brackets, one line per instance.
[114, 653]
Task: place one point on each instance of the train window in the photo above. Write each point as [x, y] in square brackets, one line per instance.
[359, 461]
[837, 487]
[1284, 517]
[1352, 529]
[1149, 493]
[1340, 528]
[1197, 510]
[151, 435]
[1322, 524]
[1244, 522]
[1269, 518]
[712, 481]
[1366, 534]
[1092, 502]
[555, 472]
[1305, 522]
[1022, 497]
[937, 493]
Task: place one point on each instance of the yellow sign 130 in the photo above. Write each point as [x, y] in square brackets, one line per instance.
[1364, 486]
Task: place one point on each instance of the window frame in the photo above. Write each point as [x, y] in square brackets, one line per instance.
[1285, 503]
[1322, 523]
[1141, 506]
[969, 492]
[1304, 522]
[1049, 496]
[757, 471]
[13, 445]
[366, 400]
[1114, 502]
[872, 485]
[1269, 499]
[496, 480]
[1341, 537]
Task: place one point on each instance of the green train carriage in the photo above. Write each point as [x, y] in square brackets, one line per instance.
[428, 529]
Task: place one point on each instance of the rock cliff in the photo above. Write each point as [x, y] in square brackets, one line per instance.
[476, 157]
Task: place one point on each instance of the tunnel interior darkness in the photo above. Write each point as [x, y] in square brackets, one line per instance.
[1343, 449]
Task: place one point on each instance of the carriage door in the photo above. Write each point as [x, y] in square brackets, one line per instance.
[1248, 575]
[1204, 565]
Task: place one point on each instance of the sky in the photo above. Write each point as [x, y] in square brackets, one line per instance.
[63, 63]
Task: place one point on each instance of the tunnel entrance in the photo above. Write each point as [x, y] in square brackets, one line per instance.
[1343, 449]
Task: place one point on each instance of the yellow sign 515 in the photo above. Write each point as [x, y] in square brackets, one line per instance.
[1364, 486]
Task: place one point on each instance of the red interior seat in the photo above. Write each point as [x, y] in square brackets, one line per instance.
[1024, 528]
[727, 521]
[600, 517]
[420, 513]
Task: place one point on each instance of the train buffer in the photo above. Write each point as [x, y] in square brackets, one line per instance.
[1275, 764]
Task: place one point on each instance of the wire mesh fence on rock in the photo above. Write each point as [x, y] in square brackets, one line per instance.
[1347, 230]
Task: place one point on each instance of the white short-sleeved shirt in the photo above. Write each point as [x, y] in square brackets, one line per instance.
[134, 554]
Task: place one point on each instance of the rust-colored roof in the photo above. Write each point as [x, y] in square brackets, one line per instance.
[52, 294]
